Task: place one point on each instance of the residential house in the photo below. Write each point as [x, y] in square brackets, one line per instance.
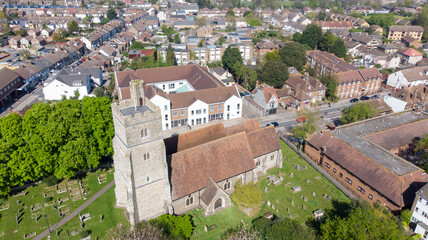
[26, 41]
[360, 82]
[15, 42]
[39, 40]
[410, 77]
[419, 212]
[397, 32]
[264, 47]
[34, 33]
[410, 56]
[263, 100]
[9, 83]
[327, 63]
[140, 53]
[305, 89]
[47, 32]
[411, 42]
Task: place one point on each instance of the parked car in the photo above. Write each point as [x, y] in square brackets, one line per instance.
[375, 96]
[354, 100]
[364, 98]
[275, 124]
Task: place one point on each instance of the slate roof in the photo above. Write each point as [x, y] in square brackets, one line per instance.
[406, 28]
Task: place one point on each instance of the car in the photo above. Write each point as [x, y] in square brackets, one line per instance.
[364, 98]
[374, 96]
[16, 54]
[354, 100]
[275, 124]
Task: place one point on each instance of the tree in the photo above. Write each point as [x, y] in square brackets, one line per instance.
[177, 38]
[288, 229]
[358, 112]
[2, 15]
[383, 20]
[272, 56]
[293, 54]
[247, 195]
[309, 123]
[170, 57]
[239, 232]
[230, 57]
[339, 48]
[142, 230]
[405, 216]
[111, 14]
[331, 85]
[175, 227]
[246, 76]
[274, 73]
[422, 149]
[136, 45]
[311, 36]
[363, 222]
[327, 43]
[72, 27]
[230, 20]
[202, 21]
[99, 92]
[421, 19]
[24, 54]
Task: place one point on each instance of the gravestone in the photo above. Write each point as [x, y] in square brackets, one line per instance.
[305, 199]
[308, 181]
[266, 189]
[292, 203]
[304, 207]
[328, 198]
[268, 203]
[273, 207]
[314, 194]
[291, 175]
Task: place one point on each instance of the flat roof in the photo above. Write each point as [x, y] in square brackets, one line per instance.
[355, 136]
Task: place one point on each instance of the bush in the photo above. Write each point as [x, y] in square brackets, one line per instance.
[99, 92]
[48, 199]
[84, 233]
[50, 180]
[405, 216]
[260, 224]
[247, 195]
[174, 227]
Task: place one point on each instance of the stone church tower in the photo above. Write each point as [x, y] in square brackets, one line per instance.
[141, 170]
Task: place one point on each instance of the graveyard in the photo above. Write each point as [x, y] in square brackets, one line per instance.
[295, 191]
[32, 210]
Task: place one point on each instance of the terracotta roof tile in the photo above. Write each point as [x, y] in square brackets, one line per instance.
[263, 141]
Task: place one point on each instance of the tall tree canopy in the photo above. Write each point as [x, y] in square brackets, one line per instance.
[274, 73]
[231, 56]
[293, 54]
[358, 112]
[421, 19]
[170, 56]
[54, 139]
[72, 27]
[311, 36]
[111, 14]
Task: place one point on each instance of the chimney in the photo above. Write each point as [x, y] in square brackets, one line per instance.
[137, 93]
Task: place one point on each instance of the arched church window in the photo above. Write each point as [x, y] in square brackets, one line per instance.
[148, 178]
[227, 185]
[144, 133]
[189, 200]
[258, 163]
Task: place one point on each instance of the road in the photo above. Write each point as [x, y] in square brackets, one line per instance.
[74, 213]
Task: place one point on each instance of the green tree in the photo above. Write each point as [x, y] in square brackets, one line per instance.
[288, 229]
[421, 19]
[137, 45]
[328, 41]
[311, 36]
[339, 48]
[406, 216]
[272, 56]
[177, 38]
[142, 230]
[358, 112]
[313, 3]
[331, 85]
[293, 54]
[174, 227]
[383, 20]
[247, 195]
[309, 123]
[274, 73]
[99, 92]
[111, 14]
[364, 222]
[72, 27]
[230, 20]
[2, 15]
[230, 57]
[239, 232]
[246, 76]
[170, 57]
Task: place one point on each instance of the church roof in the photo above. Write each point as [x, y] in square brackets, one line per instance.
[209, 193]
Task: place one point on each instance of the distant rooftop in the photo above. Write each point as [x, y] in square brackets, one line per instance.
[355, 136]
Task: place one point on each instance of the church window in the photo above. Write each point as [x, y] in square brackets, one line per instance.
[189, 200]
[148, 179]
[271, 157]
[258, 163]
[227, 185]
[144, 133]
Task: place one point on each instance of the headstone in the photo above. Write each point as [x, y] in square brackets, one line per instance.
[276, 201]
[305, 199]
[276, 210]
[273, 207]
[268, 203]
[266, 189]
[314, 194]
[291, 175]
[292, 203]
[304, 207]
[328, 198]
[288, 210]
[308, 181]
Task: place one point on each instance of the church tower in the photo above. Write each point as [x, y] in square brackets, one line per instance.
[141, 170]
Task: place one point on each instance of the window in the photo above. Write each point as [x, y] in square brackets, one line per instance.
[144, 133]
[198, 121]
[198, 112]
[175, 114]
[189, 200]
[146, 156]
[163, 87]
[166, 107]
[212, 109]
[340, 175]
[171, 85]
[148, 179]
[238, 106]
[327, 165]
[166, 126]
[425, 234]
[219, 107]
[361, 189]
[166, 117]
[258, 163]
[416, 209]
[271, 157]
[228, 107]
[182, 113]
[370, 197]
[205, 120]
[205, 111]
[348, 181]
[193, 112]
[420, 199]
[193, 122]
[334, 170]
[227, 185]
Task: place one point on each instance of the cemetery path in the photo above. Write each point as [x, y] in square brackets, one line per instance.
[74, 213]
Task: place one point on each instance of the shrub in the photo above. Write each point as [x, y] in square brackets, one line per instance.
[247, 195]
[260, 224]
[48, 199]
[175, 226]
[84, 233]
[50, 180]
[405, 216]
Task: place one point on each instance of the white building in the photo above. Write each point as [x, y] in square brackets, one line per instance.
[57, 86]
[408, 77]
[420, 212]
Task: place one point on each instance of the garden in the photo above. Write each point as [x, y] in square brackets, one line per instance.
[301, 191]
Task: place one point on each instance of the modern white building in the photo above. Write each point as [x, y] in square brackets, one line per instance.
[420, 212]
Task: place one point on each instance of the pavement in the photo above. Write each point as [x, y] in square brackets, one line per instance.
[67, 218]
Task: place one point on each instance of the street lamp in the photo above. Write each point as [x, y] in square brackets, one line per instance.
[49, 228]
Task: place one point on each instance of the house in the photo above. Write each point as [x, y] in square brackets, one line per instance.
[67, 83]
[47, 32]
[15, 42]
[397, 32]
[377, 29]
[187, 171]
[187, 95]
[388, 48]
[357, 83]
[411, 42]
[9, 83]
[263, 100]
[305, 90]
[26, 41]
[140, 53]
[366, 157]
[34, 33]
[221, 74]
[264, 47]
[415, 97]
[330, 25]
[39, 40]
[419, 212]
[327, 63]
[410, 56]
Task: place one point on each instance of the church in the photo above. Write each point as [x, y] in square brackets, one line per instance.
[156, 176]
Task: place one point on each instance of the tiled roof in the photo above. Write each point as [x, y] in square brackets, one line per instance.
[209, 96]
[7, 76]
[410, 52]
[406, 28]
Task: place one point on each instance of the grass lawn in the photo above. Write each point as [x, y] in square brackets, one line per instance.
[34, 205]
[280, 197]
[103, 206]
